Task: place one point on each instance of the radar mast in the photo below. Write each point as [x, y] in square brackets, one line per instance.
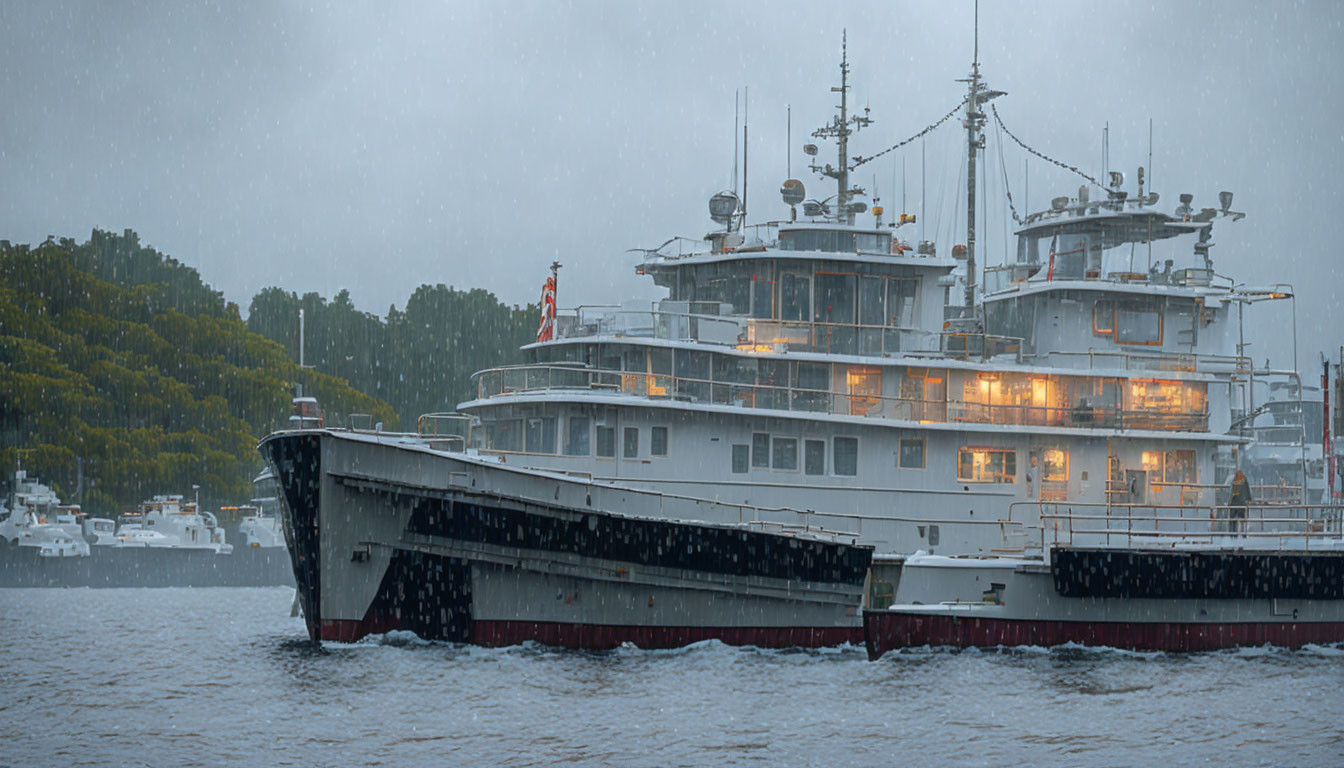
[839, 129]
[975, 141]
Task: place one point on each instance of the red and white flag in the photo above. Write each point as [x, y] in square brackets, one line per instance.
[546, 330]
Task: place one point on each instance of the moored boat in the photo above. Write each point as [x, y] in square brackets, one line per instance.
[401, 532]
[1177, 580]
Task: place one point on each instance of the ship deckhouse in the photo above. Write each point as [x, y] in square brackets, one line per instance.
[1084, 286]
[807, 365]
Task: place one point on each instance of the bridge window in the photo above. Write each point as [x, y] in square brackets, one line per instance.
[814, 457]
[817, 240]
[763, 290]
[577, 439]
[835, 298]
[845, 457]
[874, 242]
[987, 465]
[911, 453]
[741, 453]
[784, 453]
[606, 442]
[1138, 326]
[795, 296]
[760, 449]
[540, 435]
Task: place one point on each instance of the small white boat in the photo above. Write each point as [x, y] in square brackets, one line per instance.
[35, 518]
[171, 522]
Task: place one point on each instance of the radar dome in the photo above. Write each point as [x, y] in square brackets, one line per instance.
[722, 207]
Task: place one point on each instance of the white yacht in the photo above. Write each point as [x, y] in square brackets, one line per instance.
[34, 517]
[169, 521]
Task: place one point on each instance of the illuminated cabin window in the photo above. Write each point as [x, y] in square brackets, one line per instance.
[1171, 467]
[1054, 474]
[987, 465]
[1012, 399]
[1159, 404]
[865, 389]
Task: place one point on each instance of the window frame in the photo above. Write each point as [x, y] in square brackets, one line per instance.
[1136, 310]
[760, 452]
[923, 452]
[777, 441]
[585, 436]
[629, 451]
[600, 431]
[746, 459]
[1001, 477]
[836, 464]
[654, 432]
[807, 469]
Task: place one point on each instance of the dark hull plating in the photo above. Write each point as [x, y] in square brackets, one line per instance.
[1203, 575]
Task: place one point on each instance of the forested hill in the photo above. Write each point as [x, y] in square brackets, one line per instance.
[118, 355]
[420, 360]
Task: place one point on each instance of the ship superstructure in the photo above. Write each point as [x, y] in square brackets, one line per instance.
[825, 366]
[787, 448]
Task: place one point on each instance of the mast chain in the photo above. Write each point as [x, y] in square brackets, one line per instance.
[861, 160]
[999, 120]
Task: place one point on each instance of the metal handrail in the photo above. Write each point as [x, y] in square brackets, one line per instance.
[860, 339]
[1229, 524]
[547, 376]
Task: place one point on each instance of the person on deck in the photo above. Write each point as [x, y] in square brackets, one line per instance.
[1241, 497]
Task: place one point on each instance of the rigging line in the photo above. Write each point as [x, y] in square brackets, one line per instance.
[994, 108]
[861, 160]
[1008, 190]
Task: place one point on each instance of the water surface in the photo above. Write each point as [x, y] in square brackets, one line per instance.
[211, 676]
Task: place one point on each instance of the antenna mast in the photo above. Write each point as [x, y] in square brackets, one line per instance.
[840, 130]
[975, 141]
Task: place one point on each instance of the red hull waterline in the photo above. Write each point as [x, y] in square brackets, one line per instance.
[495, 634]
[889, 631]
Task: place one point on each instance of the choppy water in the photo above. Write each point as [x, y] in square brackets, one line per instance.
[212, 676]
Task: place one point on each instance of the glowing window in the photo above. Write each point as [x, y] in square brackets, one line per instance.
[987, 465]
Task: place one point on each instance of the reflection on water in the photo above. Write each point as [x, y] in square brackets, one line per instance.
[172, 676]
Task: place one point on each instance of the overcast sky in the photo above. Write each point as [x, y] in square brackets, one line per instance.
[377, 147]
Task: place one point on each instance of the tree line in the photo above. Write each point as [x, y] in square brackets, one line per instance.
[123, 374]
[419, 359]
